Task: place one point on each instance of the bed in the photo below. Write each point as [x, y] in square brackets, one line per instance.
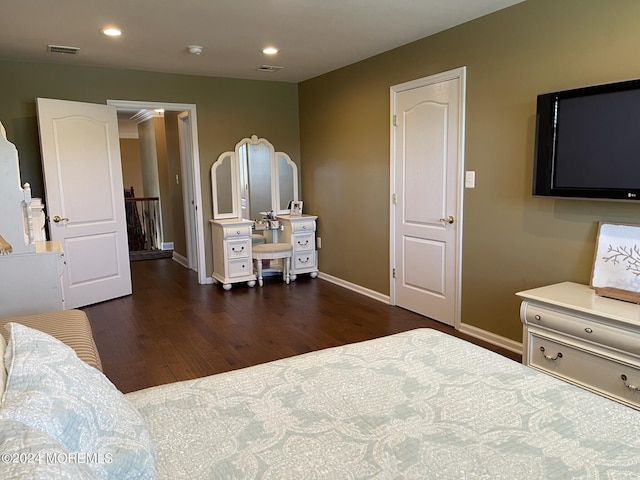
[419, 404]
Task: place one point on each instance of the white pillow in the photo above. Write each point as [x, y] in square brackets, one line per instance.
[50, 389]
[3, 370]
[29, 453]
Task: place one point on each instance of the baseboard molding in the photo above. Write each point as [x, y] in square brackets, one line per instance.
[356, 288]
[181, 259]
[475, 332]
[492, 338]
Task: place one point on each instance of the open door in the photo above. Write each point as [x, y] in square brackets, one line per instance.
[85, 198]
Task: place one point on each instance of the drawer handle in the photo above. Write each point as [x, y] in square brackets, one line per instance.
[234, 249]
[549, 357]
[304, 227]
[538, 317]
[238, 232]
[304, 261]
[633, 388]
[303, 244]
[588, 330]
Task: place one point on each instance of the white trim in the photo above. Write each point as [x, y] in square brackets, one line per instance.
[180, 259]
[355, 288]
[492, 338]
[195, 170]
[461, 75]
[475, 332]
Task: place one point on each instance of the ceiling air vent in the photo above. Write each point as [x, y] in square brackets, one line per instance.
[62, 49]
[269, 68]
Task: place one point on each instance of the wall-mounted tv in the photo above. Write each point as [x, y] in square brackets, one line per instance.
[587, 143]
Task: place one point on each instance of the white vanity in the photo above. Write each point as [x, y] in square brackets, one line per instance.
[585, 339]
[247, 184]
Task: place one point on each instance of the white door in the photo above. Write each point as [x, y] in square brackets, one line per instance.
[188, 200]
[427, 158]
[85, 198]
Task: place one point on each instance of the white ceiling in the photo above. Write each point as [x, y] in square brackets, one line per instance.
[314, 36]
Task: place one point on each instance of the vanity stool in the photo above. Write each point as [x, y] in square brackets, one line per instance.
[271, 251]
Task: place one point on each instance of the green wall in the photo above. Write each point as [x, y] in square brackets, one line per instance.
[227, 111]
[511, 241]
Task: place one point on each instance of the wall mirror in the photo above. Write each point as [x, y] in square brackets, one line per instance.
[252, 180]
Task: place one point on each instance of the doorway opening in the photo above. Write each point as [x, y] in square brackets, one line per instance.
[160, 163]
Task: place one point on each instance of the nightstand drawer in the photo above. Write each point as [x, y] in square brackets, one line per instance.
[238, 249]
[301, 261]
[303, 242]
[584, 328]
[237, 231]
[583, 367]
[240, 267]
[304, 226]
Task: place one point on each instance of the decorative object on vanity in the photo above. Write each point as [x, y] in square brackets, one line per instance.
[574, 334]
[296, 208]
[616, 266]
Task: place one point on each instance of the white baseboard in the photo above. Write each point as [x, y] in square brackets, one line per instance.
[356, 288]
[181, 259]
[475, 332]
[492, 338]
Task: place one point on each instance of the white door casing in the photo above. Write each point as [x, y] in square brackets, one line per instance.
[427, 167]
[191, 129]
[85, 198]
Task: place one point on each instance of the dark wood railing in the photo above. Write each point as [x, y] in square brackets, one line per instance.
[143, 223]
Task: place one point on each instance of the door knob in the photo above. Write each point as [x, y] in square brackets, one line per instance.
[58, 218]
[449, 219]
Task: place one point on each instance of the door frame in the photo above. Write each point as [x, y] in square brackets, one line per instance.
[190, 108]
[460, 74]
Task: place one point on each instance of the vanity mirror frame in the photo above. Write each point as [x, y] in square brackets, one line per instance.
[228, 164]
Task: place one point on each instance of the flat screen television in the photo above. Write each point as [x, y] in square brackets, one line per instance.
[587, 143]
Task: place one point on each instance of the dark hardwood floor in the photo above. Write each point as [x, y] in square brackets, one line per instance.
[171, 328]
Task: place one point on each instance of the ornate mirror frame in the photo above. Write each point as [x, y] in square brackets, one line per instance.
[229, 176]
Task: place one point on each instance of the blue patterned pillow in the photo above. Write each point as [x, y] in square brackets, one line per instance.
[28, 453]
[50, 389]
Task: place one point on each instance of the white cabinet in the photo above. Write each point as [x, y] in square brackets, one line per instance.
[31, 282]
[578, 336]
[300, 232]
[232, 262]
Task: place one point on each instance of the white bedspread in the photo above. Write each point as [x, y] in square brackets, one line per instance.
[419, 404]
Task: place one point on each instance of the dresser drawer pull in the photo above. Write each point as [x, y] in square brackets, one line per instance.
[303, 244]
[239, 250]
[588, 330]
[633, 388]
[549, 357]
[301, 260]
[538, 317]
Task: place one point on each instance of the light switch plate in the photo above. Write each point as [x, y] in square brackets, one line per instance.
[470, 179]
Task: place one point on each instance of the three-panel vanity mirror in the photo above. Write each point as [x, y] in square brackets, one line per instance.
[252, 180]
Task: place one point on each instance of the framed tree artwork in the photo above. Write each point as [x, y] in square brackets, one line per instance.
[616, 265]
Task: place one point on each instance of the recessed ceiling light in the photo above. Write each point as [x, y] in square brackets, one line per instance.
[111, 31]
[270, 50]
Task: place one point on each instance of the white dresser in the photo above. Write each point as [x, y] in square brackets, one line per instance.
[232, 262]
[300, 232]
[32, 282]
[578, 336]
